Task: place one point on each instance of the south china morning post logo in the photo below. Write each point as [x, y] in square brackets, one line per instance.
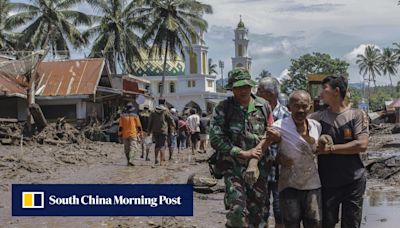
[102, 200]
[33, 200]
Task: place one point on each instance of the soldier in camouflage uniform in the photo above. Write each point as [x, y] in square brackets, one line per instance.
[241, 138]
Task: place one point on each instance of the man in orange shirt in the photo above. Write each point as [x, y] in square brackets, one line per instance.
[130, 129]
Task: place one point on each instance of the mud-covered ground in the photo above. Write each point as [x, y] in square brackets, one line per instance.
[105, 163]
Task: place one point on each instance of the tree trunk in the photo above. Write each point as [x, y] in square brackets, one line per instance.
[164, 71]
[369, 89]
[363, 86]
[391, 87]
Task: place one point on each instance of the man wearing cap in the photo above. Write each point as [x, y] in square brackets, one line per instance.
[238, 132]
[160, 122]
[130, 129]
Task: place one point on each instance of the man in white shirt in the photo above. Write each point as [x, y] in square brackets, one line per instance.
[299, 183]
[194, 127]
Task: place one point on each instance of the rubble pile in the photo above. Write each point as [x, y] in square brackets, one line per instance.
[58, 133]
[385, 168]
[10, 133]
[95, 131]
[381, 129]
[396, 129]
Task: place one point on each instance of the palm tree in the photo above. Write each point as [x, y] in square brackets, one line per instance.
[397, 51]
[264, 74]
[212, 67]
[8, 39]
[115, 35]
[50, 24]
[174, 24]
[389, 63]
[369, 63]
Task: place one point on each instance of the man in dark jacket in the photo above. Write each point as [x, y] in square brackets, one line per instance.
[159, 122]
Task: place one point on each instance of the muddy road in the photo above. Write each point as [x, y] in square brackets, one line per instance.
[101, 163]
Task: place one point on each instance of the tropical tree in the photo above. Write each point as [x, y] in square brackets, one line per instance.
[264, 74]
[116, 35]
[8, 39]
[389, 63]
[370, 63]
[50, 24]
[212, 67]
[174, 23]
[316, 63]
[396, 49]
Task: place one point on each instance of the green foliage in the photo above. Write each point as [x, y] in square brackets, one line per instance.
[173, 24]
[377, 99]
[8, 39]
[311, 64]
[370, 64]
[389, 63]
[264, 74]
[116, 36]
[212, 67]
[49, 23]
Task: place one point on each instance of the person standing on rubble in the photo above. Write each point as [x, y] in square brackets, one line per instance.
[130, 130]
[159, 122]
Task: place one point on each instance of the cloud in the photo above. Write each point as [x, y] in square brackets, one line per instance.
[279, 48]
[284, 75]
[351, 57]
[324, 7]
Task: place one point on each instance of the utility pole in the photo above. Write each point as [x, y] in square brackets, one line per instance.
[221, 66]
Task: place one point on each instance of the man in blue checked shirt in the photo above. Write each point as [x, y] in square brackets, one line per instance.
[269, 89]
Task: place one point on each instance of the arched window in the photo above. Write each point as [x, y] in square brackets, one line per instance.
[172, 87]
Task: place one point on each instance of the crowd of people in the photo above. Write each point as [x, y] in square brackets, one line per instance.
[162, 128]
[309, 164]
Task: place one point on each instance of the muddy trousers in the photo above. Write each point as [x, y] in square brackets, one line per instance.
[273, 195]
[301, 206]
[245, 203]
[351, 198]
[131, 145]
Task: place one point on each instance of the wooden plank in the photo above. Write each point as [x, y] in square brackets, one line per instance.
[8, 120]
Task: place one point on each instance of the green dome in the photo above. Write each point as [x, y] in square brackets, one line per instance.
[154, 67]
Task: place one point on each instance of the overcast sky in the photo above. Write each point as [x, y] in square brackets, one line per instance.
[281, 30]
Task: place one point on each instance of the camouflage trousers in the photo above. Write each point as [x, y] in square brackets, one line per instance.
[131, 145]
[244, 202]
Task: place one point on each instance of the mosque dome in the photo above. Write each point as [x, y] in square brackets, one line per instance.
[154, 66]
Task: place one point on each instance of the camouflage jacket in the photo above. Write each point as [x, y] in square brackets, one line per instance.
[245, 127]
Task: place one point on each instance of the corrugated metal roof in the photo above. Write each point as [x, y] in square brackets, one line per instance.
[395, 103]
[69, 77]
[9, 86]
[134, 78]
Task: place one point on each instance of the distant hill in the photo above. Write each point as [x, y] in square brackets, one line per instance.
[219, 81]
[356, 85]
